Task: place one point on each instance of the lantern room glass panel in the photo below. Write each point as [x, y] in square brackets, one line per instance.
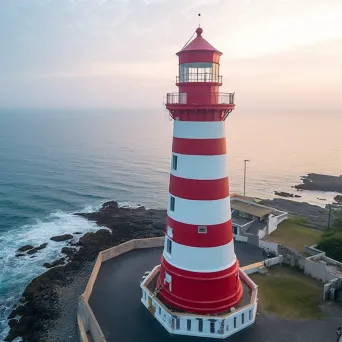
[198, 72]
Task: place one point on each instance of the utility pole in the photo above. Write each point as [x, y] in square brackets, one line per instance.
[329, 217]
[244, 176]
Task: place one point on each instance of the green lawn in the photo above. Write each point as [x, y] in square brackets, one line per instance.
[293, 234]
[289, 293]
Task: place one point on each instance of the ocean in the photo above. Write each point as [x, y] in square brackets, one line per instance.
[57, 162]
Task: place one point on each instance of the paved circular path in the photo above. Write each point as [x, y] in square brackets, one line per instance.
[116, 304]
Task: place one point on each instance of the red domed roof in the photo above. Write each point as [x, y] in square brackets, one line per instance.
[199, 43]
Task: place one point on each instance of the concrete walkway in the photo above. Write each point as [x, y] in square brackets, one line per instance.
[116, 304]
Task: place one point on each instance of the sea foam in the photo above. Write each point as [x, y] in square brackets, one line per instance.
[17, 272]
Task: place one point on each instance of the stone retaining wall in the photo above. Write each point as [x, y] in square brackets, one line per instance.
[86, 319]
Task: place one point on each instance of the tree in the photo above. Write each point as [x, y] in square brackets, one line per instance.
[337, 219]
[331, 242]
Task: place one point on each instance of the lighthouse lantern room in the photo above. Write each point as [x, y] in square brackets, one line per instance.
[199, 274]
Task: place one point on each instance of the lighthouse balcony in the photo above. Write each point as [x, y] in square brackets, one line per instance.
[212, 99]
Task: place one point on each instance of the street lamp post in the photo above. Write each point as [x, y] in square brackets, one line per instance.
[244, 177]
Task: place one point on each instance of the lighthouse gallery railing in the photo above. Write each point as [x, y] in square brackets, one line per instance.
[208, 98]
[199, 77]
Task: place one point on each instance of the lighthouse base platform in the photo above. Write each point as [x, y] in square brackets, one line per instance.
[219, 326]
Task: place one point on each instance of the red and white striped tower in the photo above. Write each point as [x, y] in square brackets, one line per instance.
[199, 271]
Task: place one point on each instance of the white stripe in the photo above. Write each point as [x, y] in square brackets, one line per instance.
[200, 212]
[201, 167]
[199, 130]
[199, 259]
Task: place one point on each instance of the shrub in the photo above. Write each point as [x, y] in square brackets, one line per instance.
[331, 244]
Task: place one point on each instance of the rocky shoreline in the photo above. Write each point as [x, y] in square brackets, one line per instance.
[51, 298]
[318, 182]
[48, 307]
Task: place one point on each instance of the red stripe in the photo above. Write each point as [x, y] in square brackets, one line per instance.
[188, 235]
[204, 147]
[202, 190]
[201, 292]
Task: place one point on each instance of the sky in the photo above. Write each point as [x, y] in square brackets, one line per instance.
[121, 53]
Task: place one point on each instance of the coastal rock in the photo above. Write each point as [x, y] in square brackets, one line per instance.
[338, 199]
[20, 255]
[55, 263]
[44, 305]
[13, 314]
[12, 322]
[60, 238]
[25, 248]
[36, 249]
[286, 194]
[90, 239]
[318, 182]
[42, 246]
[283, 194]
[68, 250]
[109, 206]
[77, 233]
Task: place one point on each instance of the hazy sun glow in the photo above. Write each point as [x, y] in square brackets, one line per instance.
[78, 53]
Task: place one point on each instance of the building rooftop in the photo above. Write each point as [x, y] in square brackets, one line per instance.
[240, 221]
[256, 227]
[251, 208]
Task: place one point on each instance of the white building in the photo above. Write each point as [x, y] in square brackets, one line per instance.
[251, 218]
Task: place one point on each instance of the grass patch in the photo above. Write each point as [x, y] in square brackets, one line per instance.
[298, 219]
[289, 293]
[294, 234]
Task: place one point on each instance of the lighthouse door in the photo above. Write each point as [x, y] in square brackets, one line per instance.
[182, 98]
[167, 281]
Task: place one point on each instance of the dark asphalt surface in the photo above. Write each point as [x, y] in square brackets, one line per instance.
[116, 304]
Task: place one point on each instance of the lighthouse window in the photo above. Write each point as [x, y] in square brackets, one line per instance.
[174, 162]
[172, 203]
[170, 232]
[200, 324]
[243, 318]
[168, 246]
[202, 229]
[235, 230]
[212, 327]
[188, 324]
[177, 323]
[199, 72]
[234, 322]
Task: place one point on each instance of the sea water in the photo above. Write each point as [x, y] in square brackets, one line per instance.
[57, 162]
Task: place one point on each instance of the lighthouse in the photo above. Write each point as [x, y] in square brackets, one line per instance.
[199, 277]
[199, 269]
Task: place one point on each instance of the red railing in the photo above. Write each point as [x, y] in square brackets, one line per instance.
[199, 77]
[207, 98]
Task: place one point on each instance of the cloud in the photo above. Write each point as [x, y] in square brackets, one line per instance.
[148, 71]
